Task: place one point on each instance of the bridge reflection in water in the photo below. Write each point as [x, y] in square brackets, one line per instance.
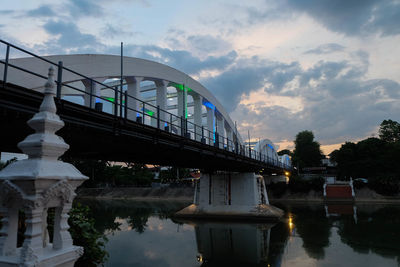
[232, 243]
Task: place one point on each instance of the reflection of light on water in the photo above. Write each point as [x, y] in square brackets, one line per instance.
[291, 226]
[287, 174]
[199, 258]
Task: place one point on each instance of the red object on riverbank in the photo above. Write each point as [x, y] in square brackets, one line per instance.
[338, 192]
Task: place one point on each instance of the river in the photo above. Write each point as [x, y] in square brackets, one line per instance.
[145, 234]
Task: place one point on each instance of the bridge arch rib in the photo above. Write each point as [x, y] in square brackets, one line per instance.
[102, 67]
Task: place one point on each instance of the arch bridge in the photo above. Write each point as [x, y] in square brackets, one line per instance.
[148, 113]
[128, 109]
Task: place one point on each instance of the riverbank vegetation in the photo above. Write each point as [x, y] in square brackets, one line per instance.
[375, 159]
[102, 173]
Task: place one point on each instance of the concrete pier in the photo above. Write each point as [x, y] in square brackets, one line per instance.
[231, 196]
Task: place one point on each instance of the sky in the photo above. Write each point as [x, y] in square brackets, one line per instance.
[278, 67]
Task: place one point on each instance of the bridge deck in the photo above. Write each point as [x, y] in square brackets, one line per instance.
[99, 135]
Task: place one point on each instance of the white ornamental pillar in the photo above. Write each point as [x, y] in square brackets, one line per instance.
[161, 101]
[92, 88]
[198, 115]
[210, 126]
[36, 184]
[220, 130]
[229, 135]
[182, 106]
[133, 106]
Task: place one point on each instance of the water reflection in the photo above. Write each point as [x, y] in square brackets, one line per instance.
[370, 230]
[143, 234]
[232, 243]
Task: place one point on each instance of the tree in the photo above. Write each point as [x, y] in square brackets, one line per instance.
[307, 152]
[284, 151]
[389, 131]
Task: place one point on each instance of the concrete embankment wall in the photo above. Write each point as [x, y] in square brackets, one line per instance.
[361, 195]
[186, 194]
[148, 193]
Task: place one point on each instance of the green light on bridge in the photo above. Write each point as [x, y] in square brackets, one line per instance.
[179, 86]
[112, 99]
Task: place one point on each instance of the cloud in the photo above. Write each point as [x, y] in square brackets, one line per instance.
[41, 11]
[6, 12]
[78, 8]
[352, 17]
[249, 75]
[337, 103]
[112, 31]
[326, 49]
[179, 59]
[208, 43]
[67, 38]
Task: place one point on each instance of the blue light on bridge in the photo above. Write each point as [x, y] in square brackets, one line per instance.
[209, 105]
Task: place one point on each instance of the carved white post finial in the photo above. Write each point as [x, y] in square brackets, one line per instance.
[49, 93]
[37, 184]
[45, 143]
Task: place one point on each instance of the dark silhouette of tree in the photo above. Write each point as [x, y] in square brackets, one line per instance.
[284, 151]
[389, 131]
[376, 232]
[307, 152]
[314, 229]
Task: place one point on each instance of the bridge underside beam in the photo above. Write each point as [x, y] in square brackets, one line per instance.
[98, 135]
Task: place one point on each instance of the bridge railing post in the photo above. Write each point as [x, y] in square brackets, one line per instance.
[195, 132]
[203, 140]
[158, 116]
[126, 105]
[170, 122]
[121, 95]
[143, 113]
[186, 128]
[115, 101]
[182, 131]
[59, 79]
[91, 94]
[6, 65]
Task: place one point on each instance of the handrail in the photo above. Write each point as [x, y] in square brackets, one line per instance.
[164, 119]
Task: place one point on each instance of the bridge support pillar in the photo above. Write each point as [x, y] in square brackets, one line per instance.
[161, 100]
[210, 126]
[182, 103]
[220, 130]
[92, 88]
[229, 135]
[133, 103]
[35, 185]
[231, 196]
[197, 99]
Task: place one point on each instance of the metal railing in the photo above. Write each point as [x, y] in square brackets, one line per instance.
[143, 112]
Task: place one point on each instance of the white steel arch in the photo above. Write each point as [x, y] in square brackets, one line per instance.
[266, 147]
[101, 67]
